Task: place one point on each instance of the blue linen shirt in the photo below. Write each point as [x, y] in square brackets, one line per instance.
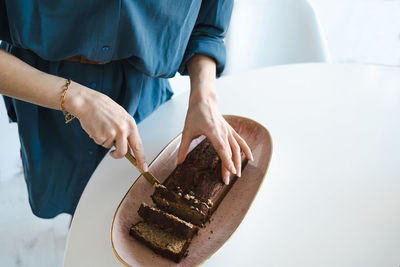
[141, 43]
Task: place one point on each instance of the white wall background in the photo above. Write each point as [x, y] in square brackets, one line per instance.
[359, 31]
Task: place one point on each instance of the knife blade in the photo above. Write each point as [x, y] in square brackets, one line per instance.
[149, 177]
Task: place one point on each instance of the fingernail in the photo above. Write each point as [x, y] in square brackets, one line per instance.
[226, 180]
[239, 173]
[232, 169]
[251, 157]
[145, 167]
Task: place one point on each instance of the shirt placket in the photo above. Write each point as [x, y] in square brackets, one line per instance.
[108, 35]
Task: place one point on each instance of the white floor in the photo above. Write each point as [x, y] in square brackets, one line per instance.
[362, 31]
[25, 239]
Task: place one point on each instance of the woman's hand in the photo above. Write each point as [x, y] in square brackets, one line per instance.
[204, 118]
[106, 122]
[103, 119]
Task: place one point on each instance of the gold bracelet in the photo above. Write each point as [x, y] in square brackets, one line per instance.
[68, 116]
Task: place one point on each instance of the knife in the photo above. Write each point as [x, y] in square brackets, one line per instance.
[149, 177]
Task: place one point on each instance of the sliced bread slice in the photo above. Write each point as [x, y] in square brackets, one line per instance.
[167, 222]
[161, 242]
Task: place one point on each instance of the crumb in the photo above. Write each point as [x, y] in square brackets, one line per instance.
[211, 232]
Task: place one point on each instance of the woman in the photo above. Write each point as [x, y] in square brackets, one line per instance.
[117, 55]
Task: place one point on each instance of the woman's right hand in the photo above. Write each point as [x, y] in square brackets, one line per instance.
[102, 118]
[105, 121]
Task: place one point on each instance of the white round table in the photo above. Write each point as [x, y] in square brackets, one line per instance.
[331, 196]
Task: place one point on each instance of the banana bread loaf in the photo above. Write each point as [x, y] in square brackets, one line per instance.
[167, 222]
[194, 189]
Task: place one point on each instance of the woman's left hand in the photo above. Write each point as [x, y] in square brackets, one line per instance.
[204, 118]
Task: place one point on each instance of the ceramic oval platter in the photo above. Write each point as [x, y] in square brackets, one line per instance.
[225, 219]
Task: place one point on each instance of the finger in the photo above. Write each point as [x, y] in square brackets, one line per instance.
[97, 139]
[108, 143]
[246, 149]
[184, 146]
[121, 147]
[135, 142]
[237, 159]
[228, 146]
[223, 150]
[99, 142]
[225, 175]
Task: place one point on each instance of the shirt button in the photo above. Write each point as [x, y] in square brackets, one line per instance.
[105, 48]
[90, 152]
[93, 85]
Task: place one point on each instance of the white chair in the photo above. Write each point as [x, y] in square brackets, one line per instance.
[273, 32]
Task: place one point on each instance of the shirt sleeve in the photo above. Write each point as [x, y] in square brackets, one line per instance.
[208, 33]
[4, 29]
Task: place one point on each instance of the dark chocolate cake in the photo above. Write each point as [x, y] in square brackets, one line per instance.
[194, 189]
[189, 195]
